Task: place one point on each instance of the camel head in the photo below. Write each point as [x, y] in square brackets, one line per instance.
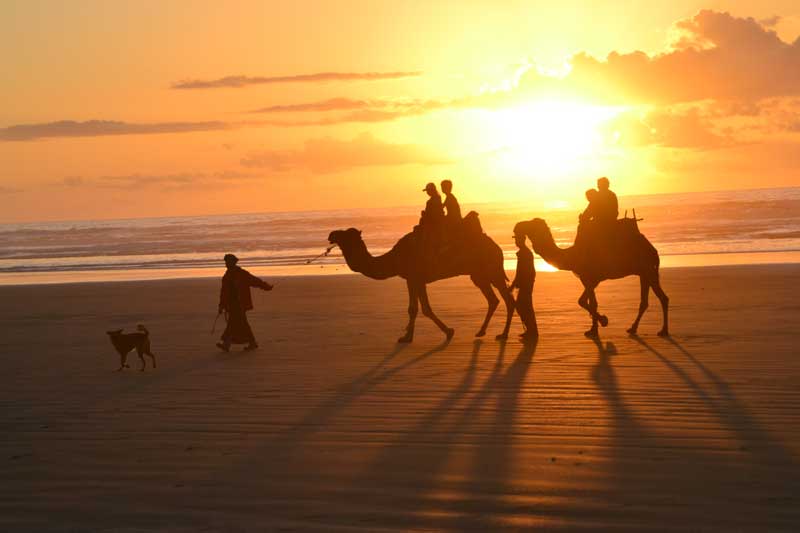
[536, 230]
[352, 246]
[345, 238]
[532, 228]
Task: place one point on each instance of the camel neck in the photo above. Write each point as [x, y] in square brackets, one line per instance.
[376, 267]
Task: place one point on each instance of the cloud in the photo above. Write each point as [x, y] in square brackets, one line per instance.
[668, 128]
[98, 128]
[343, 110]
[327, 155]
[331, 104]
[184, 180]
[716, 56]
[240, 81]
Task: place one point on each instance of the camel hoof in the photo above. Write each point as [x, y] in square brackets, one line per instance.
[449, 332]
[501, 337]
[481, 333]
[603, 319]
[663, 333]
[405, 339]
[592, 334]
[632, 331]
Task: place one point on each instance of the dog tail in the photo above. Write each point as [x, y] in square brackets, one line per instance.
[140, 327]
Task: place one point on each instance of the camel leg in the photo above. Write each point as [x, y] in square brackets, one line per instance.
[643, 302]
[413, 307]
[583, 301]
[428, 312]
[505, 293]
[603, 319]
[491, 299]
[588, 301]
[664, 299]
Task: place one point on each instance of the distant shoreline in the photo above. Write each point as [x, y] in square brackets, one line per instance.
[700, 260]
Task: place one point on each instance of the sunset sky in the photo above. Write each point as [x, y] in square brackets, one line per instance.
[150, 108]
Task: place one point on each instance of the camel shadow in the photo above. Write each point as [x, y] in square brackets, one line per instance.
[700, 469]
[725, 406]
[409, 473]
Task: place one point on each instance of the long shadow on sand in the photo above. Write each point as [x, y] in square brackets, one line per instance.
[282, 448]
[407, 485]
[688, 475]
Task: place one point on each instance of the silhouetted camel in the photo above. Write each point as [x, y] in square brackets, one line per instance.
[478, 257]
[634, 257]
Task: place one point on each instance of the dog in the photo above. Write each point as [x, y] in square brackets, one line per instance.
[125, 342]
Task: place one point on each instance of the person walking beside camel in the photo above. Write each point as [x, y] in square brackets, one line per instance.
[235, 300]
[524, 280]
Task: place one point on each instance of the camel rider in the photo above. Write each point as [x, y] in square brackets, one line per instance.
[607, 209]
[431, 221]
[433, 215]
[603, 206]
[590, 213]
[453, 215]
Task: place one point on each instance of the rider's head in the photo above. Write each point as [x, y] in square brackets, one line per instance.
[430, 189]
[591, 194]
[603, 184]
[447, 186]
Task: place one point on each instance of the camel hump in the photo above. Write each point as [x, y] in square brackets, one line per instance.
[471, 224]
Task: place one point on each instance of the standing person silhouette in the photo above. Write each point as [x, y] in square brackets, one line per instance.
[524, 280]
[235, 300]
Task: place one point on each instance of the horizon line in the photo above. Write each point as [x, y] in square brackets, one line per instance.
[340, 209]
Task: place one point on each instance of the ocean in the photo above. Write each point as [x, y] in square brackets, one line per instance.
[688, 229]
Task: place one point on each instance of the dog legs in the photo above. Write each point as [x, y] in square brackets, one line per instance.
[151, 355]
[139, 352]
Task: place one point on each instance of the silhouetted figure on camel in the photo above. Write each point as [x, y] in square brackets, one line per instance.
[595, 257]
[470, 253]
[452, 217]
[603, 204]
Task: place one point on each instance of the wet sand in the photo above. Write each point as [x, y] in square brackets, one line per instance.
[332, 426]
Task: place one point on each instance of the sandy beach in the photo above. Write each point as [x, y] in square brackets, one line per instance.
[331, 425]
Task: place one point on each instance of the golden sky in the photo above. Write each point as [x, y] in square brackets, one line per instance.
[151, 108]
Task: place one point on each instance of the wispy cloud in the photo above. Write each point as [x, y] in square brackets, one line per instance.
[98, 128]
[240, 81]
[327, 155]
[356, 111]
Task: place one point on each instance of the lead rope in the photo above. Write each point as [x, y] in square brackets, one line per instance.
[323, 254]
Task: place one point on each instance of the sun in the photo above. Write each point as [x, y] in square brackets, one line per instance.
[547, 137]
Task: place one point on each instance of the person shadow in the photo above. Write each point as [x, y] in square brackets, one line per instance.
[281, 452]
